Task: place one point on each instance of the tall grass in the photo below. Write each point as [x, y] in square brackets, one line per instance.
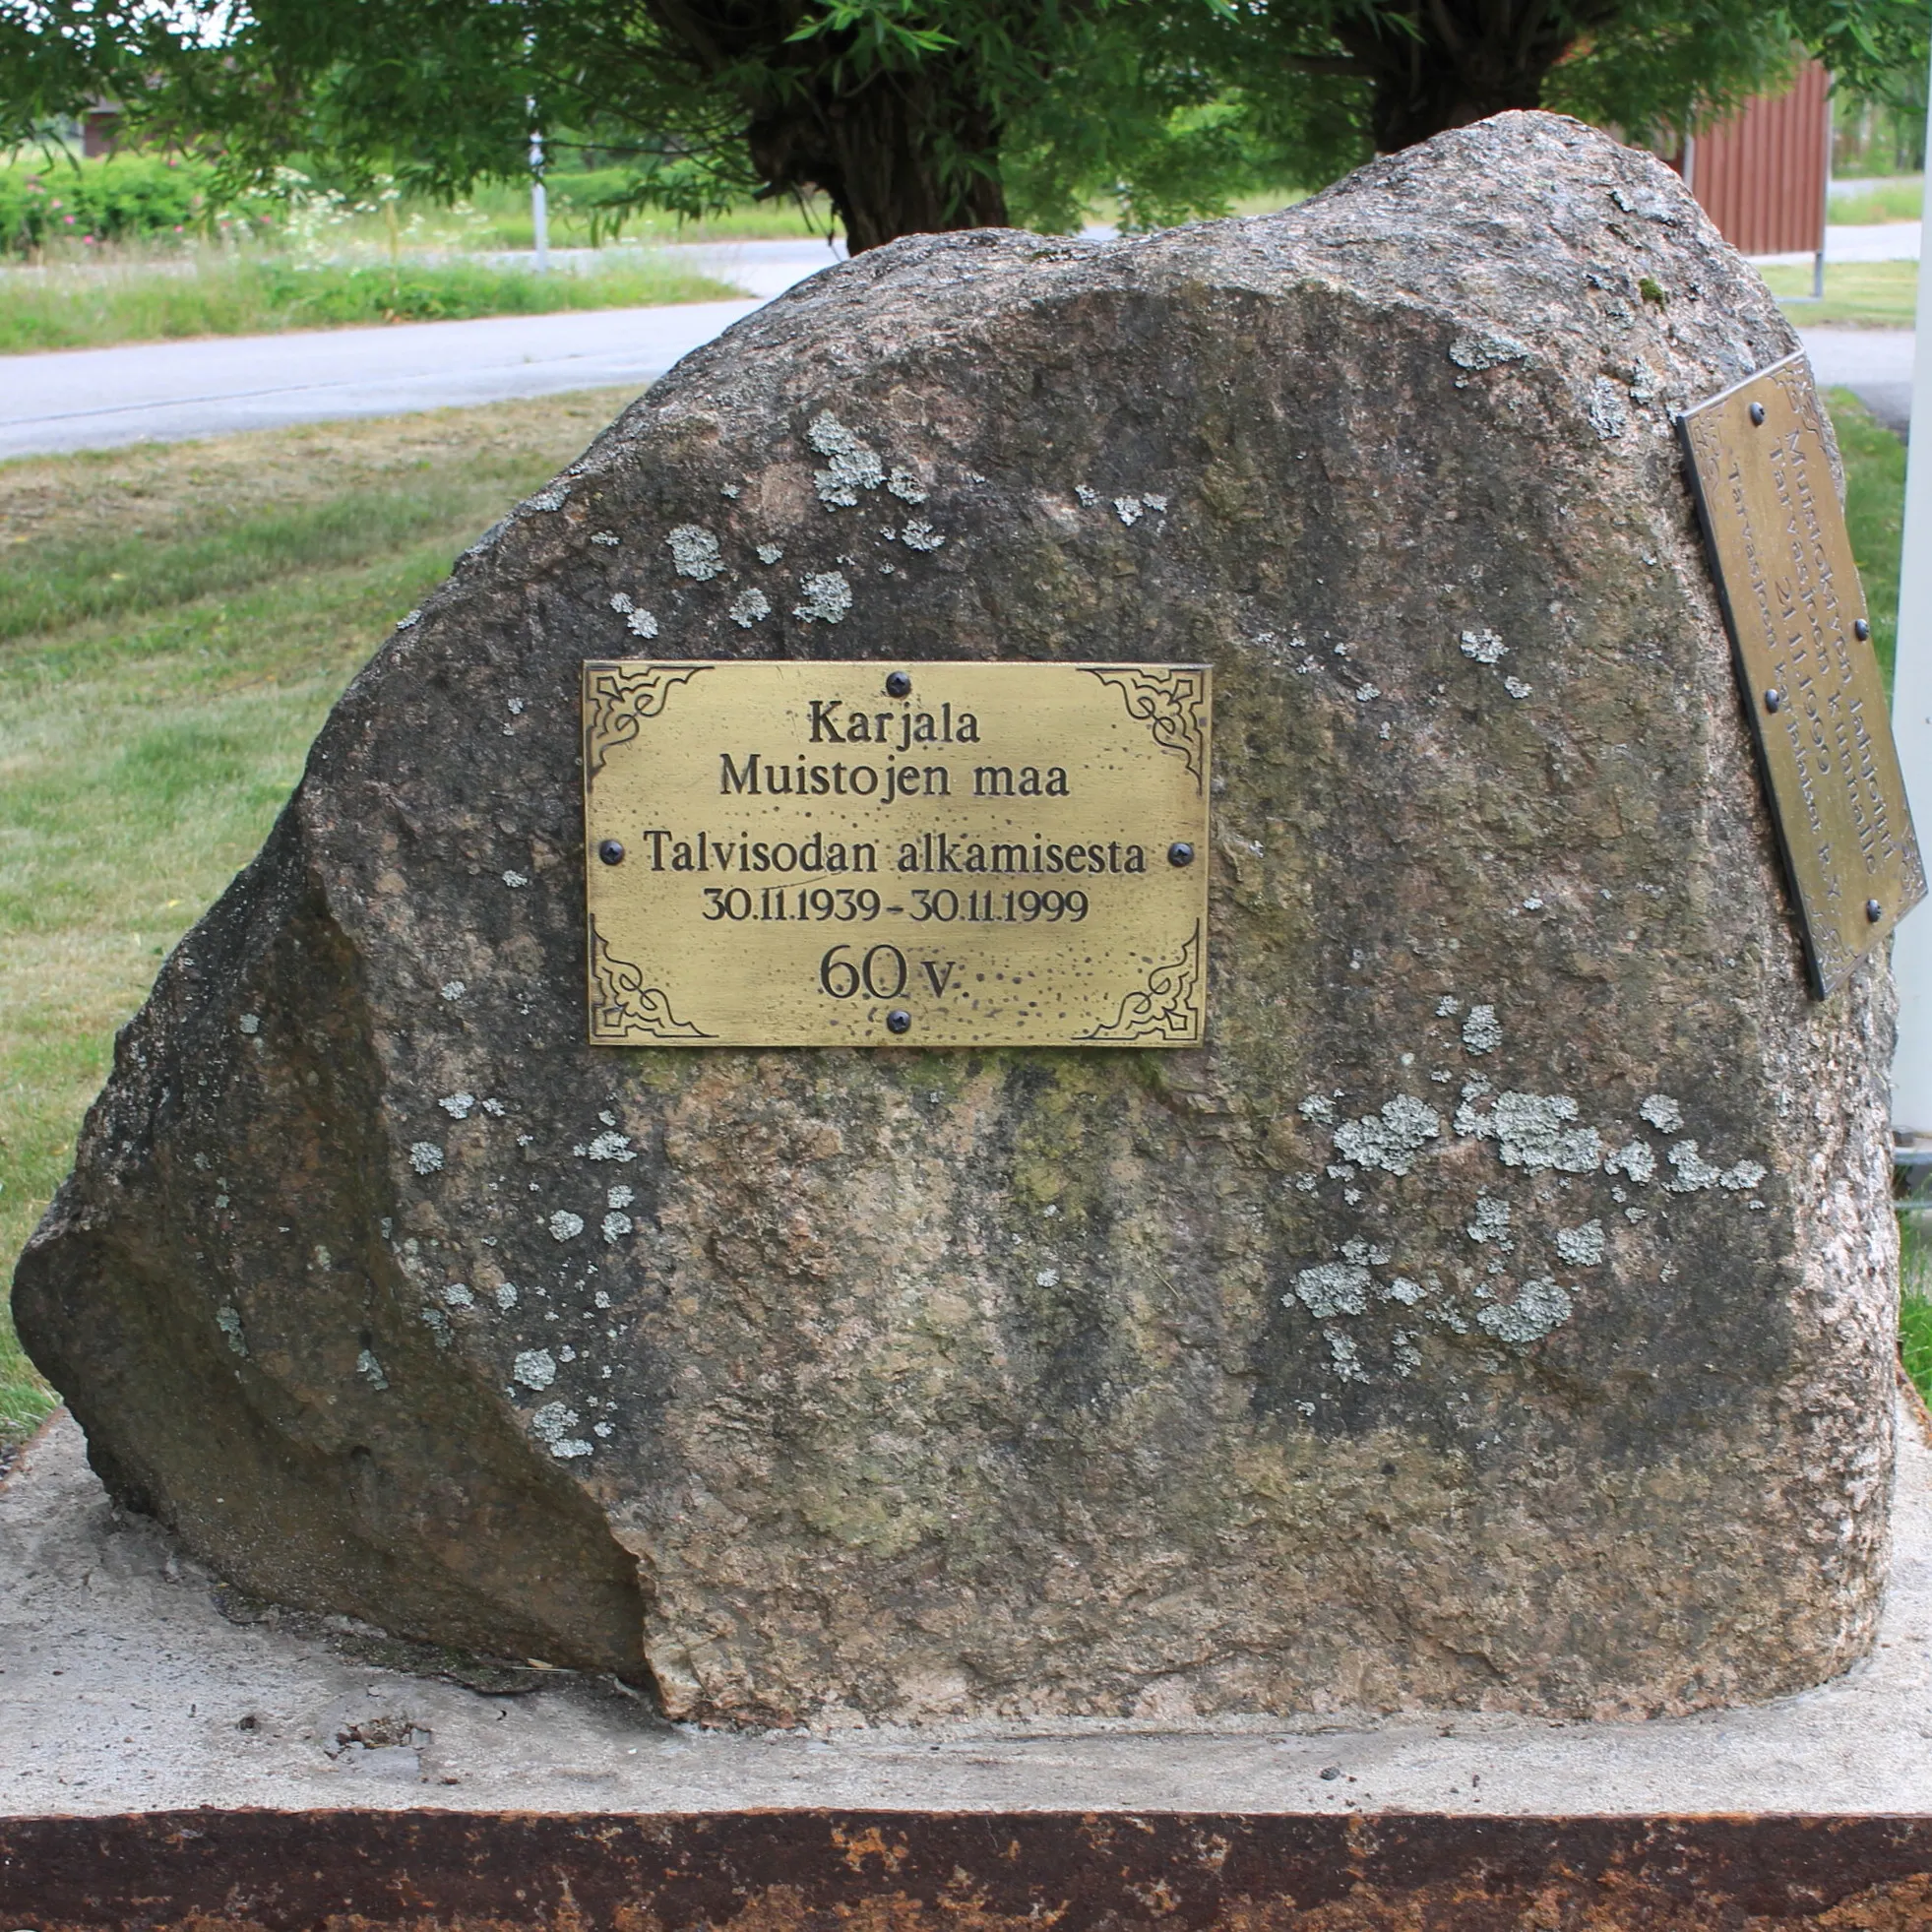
[230, 292]
[1885, 200]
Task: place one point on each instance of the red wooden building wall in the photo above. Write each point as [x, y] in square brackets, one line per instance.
[1761, 175]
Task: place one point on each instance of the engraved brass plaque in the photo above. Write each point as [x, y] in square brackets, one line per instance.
[1810, 681]
[870, 855]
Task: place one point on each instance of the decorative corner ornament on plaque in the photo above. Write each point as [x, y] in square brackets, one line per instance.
[1801, 642]
[868, 854]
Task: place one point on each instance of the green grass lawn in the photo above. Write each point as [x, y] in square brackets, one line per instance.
[216, 294]
[1884, 201]
[1866, 294]
[175, 622]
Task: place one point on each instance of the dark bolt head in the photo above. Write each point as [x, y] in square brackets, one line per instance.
[1860, 629]
[1757, 412]
[899, 684]
[612, 852]
[1180, 852]
[898, 1020]
[1874, 912]
[1773, 700]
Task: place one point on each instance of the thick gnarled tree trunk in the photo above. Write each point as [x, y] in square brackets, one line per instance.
[1441, 64]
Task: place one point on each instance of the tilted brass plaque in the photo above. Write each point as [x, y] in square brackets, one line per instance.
[1802, 649]
[874, 855]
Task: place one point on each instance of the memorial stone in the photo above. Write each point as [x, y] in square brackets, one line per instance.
[1492, 1309]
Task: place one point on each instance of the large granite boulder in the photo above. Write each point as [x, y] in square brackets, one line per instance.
[1495, 1312]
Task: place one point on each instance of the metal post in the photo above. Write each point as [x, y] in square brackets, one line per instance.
[1911, 723]
[1825, 192]
[540, 205]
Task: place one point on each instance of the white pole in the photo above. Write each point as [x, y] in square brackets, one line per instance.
[540, 203]
[1912, 722]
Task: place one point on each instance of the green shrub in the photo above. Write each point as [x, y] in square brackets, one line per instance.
[121, 198]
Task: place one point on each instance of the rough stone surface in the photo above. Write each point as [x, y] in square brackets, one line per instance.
[1388, 1351]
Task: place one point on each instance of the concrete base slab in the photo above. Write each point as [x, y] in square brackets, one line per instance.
[125, 1687]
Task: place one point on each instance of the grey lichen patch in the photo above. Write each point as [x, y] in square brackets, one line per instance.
[371, 1370]
[251, 1023]
[505, 1296]
[1335, 1288]
[553, 1423]
[554, 498]
[905, 487]
[1128, 509]
[1517, 689]
[1484, 349]
[458, 1295]
[643, 624]
[227, 1318]
[616, 1225]
[1486, 647]
[516, 880]
[453, 989]
[854, 465]
[1346, 1357]
[1662, 1112]
[1609, 412]
[534, 1368]
[458, 1105]
[1481, 1033]
[426, 1158]
[564, 1225]
[768, 553]
[1533, 1131]
[694, 553]
[610, 1145]
[1491, 1222]
[1636, 1160]
[1391, 1140]
[1691, 1173]
[1741, 1178]
[1539, 1307]
[824, 599]
[1317, 1107]
[749, 607]
[1581, 1247]
[919, 534]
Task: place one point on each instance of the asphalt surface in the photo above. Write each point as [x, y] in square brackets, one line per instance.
[168, 392]
[1875, 364]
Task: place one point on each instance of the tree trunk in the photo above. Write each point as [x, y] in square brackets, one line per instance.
[1440, 64]
[898, 149]
[897, 153]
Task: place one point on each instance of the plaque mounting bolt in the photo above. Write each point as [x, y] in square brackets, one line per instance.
[1757, 412]
[898, 1020]
[899, 684]
[611, 852]
[1773, 700]
[1860, 629]
[1874, 912]
[1180, 852]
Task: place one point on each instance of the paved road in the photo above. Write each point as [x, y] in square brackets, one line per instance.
[1874, 364]
[103, 398]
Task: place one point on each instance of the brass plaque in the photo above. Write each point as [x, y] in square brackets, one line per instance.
[1802, 649]
[872, 854]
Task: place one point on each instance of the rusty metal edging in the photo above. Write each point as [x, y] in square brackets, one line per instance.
[344, 1870]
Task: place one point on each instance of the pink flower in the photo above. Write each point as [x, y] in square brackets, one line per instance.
[68, 219]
